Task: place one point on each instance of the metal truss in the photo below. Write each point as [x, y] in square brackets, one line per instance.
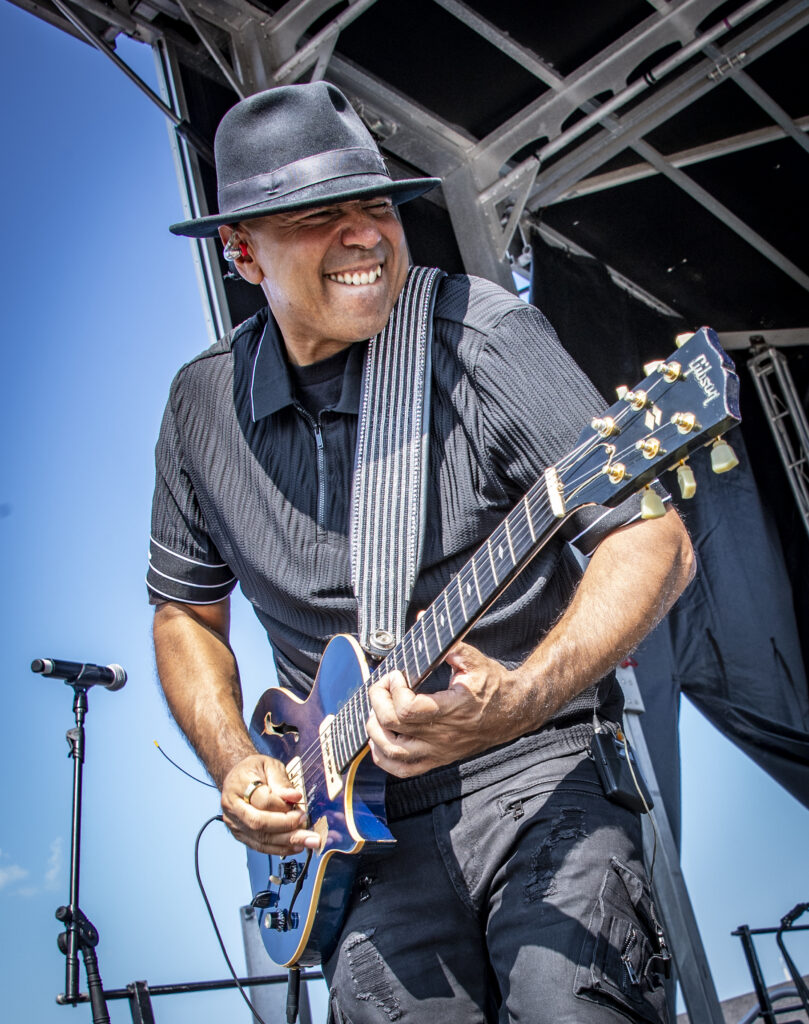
[683, 158]
[486, 192]
[776, 389]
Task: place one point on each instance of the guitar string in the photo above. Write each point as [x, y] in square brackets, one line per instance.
[340, 728]
[313, 754]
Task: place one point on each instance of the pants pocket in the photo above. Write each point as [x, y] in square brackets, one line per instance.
[624, 955]
[336, 1015]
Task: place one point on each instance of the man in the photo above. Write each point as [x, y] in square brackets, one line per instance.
[516, 891]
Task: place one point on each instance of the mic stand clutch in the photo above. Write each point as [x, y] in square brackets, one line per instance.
[79, 935]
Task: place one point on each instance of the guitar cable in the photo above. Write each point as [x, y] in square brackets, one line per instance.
[179, 768]
[294, 982]
[245, 997]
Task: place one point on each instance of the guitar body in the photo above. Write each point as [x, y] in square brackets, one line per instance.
[301, 900]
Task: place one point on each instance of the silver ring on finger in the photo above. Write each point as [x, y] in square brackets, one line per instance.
[250, 789]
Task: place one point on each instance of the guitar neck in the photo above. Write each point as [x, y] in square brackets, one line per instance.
[495, 564]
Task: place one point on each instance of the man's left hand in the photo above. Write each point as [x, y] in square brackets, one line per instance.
[413, 732]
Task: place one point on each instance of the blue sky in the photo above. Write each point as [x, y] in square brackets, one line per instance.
[101, 306]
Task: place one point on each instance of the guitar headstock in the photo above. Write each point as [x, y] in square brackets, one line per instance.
[683, 402]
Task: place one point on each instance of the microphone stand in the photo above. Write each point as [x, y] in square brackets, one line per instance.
[80, 935]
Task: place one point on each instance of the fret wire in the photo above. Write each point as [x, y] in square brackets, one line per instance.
[392, 663]
[449, 613]
[353, 728]
[508, 538]
[520, 536]
[484, 576]
[528, 518]
[491, 560]
[432, 613]
[356, 725]
[475, 577]
[411, 641]
[362, 717]
[425, 635]
[456, 581]
[410, 670]
[345, 737]
[365, 700]
[466, 577]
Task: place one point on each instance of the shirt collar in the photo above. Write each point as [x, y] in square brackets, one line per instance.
[270, 387]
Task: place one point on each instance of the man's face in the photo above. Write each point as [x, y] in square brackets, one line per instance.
[331, 274]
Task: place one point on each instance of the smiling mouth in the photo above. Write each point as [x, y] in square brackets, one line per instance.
[361, 277]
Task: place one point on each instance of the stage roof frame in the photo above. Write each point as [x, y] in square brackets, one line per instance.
[565, 121]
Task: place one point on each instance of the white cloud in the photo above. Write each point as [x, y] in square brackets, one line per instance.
[11, 873]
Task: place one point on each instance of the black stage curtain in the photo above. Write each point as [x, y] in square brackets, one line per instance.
[732, 644]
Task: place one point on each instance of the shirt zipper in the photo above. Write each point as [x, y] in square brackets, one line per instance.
[321, 471]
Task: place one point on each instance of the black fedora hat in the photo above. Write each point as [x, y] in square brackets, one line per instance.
[294, 147]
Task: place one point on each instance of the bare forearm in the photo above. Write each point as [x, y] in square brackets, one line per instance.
[200, 679]
[632, 580]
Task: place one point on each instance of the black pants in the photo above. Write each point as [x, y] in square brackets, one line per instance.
[526, 901]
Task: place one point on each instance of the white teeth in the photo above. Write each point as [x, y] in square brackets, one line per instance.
[366, 277]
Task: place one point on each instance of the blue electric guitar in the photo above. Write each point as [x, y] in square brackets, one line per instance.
[300, 900]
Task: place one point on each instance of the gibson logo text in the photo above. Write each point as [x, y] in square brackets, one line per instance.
[700, 367]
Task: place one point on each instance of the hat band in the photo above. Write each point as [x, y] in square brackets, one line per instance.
[311, 170]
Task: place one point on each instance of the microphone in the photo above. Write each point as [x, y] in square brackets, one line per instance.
[111, 677]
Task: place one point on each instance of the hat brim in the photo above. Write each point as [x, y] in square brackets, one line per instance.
[315, 195]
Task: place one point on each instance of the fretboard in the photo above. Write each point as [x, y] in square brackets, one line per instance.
[481, 580]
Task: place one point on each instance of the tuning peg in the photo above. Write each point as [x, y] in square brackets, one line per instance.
[723, 457]
[620, 391]
[605, 426]
[686, 480]
[681, 339]
[651, 507]
[671, 371]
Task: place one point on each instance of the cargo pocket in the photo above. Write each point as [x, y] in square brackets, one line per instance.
[624, 956]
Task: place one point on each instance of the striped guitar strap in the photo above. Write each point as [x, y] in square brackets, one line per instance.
[390, 471]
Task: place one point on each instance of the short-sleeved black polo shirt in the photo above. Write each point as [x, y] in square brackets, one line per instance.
[252, 488]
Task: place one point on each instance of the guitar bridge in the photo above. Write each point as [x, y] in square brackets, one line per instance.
[296, 779]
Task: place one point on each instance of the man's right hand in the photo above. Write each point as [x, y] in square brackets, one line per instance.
[272, 821]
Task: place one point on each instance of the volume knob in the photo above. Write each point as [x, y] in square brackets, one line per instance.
[281, 920]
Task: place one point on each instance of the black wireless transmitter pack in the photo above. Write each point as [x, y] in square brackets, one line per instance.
[610, 756]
